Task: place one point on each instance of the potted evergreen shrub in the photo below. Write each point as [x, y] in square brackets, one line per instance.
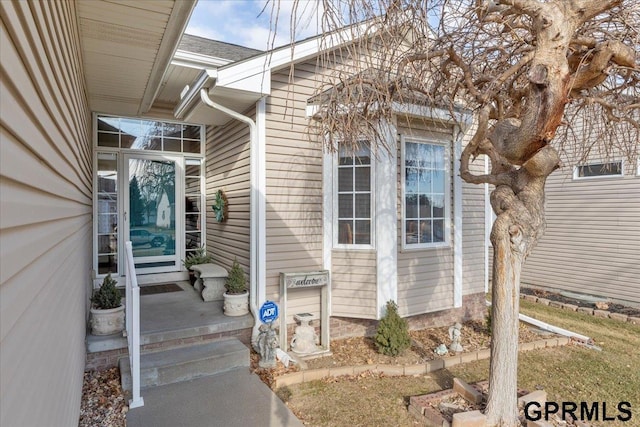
[199, 256]
[236, 297]
[107, 310]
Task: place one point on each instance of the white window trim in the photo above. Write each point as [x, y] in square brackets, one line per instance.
[203, 134]
[336, 228]
[611, 176]
[447, 198]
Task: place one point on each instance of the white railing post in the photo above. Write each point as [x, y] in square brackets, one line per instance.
[133, 326]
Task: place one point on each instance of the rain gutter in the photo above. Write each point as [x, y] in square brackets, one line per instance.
[257, 199]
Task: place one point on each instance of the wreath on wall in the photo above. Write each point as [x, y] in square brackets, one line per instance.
[220, 206]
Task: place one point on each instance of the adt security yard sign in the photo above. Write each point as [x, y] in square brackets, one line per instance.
[268, 312]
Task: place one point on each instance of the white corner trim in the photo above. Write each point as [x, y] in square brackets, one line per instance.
[457, 219]
[488, 217]
[327, 217]
[386, 222]
[261, 191]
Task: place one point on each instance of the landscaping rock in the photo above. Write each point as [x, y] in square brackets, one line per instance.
[619, 316]
[585, 310]
[469, 419]
[539, 396]
[601, 313]
[467, 391]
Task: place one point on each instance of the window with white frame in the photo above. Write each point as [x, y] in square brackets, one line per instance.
[354, 201]
[425, 190]
[598, 170]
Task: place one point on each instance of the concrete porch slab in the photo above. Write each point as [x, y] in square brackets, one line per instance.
[172, 316]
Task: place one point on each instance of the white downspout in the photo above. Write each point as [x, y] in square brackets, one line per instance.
[255, 202]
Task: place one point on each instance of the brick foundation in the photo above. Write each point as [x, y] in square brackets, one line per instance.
[108, 359]
[473, 308]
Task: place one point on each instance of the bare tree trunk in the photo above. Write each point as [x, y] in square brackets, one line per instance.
[517, 229]
[502, 406]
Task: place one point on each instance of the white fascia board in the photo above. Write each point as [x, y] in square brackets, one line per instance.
[259, 83]
[206, 79]
[187, 59]
[286, 55]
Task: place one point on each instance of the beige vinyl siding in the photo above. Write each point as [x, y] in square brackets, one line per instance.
[591, 245]
[354, 283]
[473, 232]
[293, 188]
[228, 169]
[425, 275]
[45, 220]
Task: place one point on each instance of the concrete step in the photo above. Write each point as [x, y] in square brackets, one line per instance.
[186, 363]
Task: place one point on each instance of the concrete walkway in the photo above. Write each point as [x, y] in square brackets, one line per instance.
[230, 399]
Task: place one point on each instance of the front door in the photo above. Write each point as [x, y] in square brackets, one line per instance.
[152, 211]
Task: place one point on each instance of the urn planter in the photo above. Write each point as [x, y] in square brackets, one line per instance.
[236, 304]
[107, 321]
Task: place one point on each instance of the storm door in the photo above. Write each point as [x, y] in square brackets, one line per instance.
[153, 210]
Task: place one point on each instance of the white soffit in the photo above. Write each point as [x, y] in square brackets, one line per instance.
[127, 46]
[174, 82]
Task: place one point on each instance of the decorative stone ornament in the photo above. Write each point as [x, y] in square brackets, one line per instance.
[107, 321]
[267, 346]
[455, 335]
[305, 340]
[441, 350]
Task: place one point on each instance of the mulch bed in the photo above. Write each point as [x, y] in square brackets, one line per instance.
[604, 305]
[359, 351]
[103, 402]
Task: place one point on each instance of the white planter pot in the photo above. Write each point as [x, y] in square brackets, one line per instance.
[107, 322]
[236, 304]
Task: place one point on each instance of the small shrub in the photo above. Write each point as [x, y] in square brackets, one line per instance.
[199, 256]
[236, 282]
[487, 320]
[284, 393]
[392, 335]
[107, 296]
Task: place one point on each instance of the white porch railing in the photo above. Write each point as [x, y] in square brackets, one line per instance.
[133, 326]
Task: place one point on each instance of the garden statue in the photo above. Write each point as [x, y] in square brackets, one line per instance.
[267, 345]
[305, 340]
[454, 334]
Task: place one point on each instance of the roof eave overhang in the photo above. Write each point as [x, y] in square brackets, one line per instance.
[178, 21]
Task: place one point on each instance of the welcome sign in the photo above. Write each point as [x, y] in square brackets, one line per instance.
[292, 283]
[306, 280]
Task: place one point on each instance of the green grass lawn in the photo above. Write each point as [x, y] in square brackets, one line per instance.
[572, 374]
[576, 373]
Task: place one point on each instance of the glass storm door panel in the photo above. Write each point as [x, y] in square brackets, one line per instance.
[153, 212]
